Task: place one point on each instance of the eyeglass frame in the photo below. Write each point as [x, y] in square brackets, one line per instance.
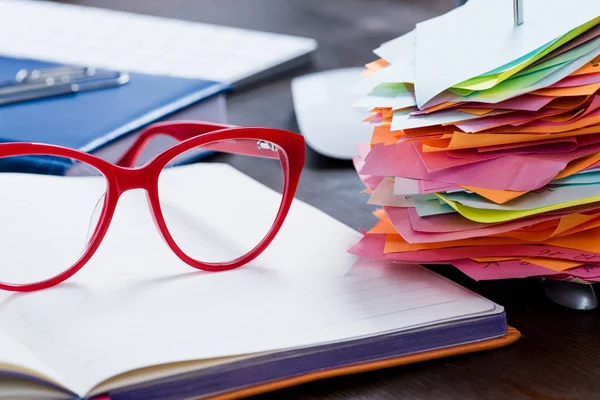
[123, 176]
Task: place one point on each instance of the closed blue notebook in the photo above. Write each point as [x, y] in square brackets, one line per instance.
[89, 120]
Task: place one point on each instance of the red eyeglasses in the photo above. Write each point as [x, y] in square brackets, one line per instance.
[205, 216]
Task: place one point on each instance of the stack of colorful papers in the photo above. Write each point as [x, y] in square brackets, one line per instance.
[485, 151]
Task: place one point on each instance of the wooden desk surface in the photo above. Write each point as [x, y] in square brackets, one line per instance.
[559, 356]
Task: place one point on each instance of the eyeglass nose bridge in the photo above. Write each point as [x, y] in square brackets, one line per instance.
[134, 178]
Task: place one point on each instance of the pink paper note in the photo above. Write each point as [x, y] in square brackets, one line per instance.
[372, 246]
[562, 145]
[439, 160]
[566, 158]
[500, 270]
[591, 111]
[594, 165]
[369, 181]
[482, 124]
[577, 80]
[369, 246]
[515, 250]
[423, 112]
[586, 271]
[363, 149]
[540, 146]
[518, 172]
[525, 102]
[377, 120]
[586, 140]
[401, 220]
[426, 187]
[520, 269]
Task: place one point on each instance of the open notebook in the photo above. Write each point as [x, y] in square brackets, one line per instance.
[138, 323]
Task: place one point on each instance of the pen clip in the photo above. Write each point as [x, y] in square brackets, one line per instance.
[33, 75]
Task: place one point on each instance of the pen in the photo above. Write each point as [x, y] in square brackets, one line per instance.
[39, 90]
[518, 11]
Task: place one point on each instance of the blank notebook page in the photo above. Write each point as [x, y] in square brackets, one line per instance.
[136, 304]
[70, 34]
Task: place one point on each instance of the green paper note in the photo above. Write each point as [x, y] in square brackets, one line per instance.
[487, 82]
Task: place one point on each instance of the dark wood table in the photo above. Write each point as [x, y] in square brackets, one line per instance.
[558, 357]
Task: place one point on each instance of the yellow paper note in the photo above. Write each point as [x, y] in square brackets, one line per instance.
[488, 216]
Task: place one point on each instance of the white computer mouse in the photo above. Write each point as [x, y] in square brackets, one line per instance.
[323, 103]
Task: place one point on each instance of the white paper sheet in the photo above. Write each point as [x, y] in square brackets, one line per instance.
[14, 354]
[405, 186]
[398, 50]
[481, 36]
[403, 119]
[384, 195]
[136, 304]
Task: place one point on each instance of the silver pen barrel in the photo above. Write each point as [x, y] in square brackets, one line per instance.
[518, 12]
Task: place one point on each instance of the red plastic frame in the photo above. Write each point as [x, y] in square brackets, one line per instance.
[123, 176]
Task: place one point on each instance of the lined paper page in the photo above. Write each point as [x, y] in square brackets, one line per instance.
[135, 304]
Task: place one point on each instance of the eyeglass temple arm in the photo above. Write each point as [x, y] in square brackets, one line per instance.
[187, 130]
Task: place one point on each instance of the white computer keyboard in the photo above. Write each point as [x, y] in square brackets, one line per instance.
[71, 34]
